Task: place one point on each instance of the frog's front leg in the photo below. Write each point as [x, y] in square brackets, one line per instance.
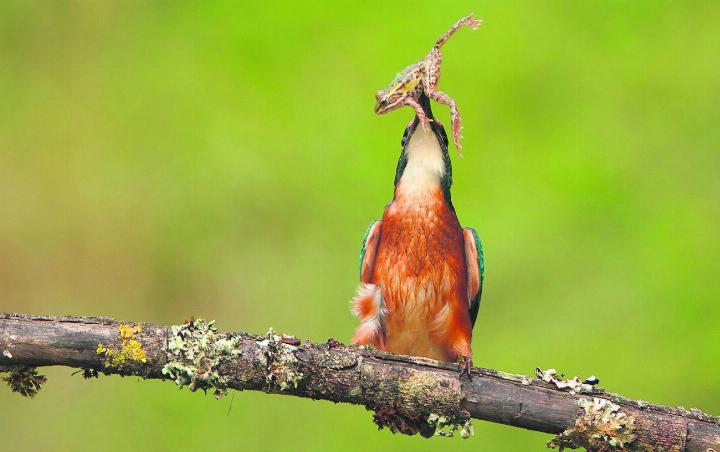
[443, 98]
[419, 112]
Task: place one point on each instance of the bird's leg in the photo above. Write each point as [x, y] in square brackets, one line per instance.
[443, 98]
[419, 112]
[466, 366]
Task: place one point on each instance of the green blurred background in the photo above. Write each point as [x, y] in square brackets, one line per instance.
[221, 159]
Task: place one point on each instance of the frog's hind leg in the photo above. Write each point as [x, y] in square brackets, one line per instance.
[467, 20]
[419, 112]
[443, 98]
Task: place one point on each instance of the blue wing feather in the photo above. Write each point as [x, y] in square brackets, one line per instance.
[475, 307]
[363, 249]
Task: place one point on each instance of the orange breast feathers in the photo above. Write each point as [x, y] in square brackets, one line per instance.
[414, 297]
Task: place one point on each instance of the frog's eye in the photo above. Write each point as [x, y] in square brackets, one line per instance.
[378, 95]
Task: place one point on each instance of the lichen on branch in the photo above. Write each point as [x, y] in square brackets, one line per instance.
[602, 426]
[408, 394]
[25, 380]
[410, 412]
[278, 359]
[130, 350]
[194, 352]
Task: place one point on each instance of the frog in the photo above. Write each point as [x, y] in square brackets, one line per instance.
[423, 76]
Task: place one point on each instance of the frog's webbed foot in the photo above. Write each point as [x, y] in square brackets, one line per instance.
[443, 98]
[424, 121]
[467, 20]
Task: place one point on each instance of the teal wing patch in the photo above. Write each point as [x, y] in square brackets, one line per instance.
[475, 303]
[368, 251]
[480, 256]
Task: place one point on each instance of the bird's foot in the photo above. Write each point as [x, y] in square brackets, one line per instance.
[466, 367]
[332, 343]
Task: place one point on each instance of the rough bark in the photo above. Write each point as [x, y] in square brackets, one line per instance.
[407, 394]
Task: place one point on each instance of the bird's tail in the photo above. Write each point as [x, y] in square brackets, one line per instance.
[369, 307]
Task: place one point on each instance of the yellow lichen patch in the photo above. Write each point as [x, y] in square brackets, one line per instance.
[128, 332]
[130, 350]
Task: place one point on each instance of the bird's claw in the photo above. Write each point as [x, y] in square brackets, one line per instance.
[466, 366]
[332, 343]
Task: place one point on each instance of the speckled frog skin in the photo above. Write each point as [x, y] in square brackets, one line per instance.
[424, 76]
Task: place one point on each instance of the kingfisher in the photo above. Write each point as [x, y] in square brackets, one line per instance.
[421, 273]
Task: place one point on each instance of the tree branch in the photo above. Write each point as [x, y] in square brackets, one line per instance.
[407, 394]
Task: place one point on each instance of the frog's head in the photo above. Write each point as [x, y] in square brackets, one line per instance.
[388, 99]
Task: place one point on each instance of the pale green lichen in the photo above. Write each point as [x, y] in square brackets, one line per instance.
[447, 427]
[574, 385]
[130, 350]
[418, 387]
[418, 390]
[25, 380]
[194, 352]
[279, 361]
[356, 391]
[602, 426]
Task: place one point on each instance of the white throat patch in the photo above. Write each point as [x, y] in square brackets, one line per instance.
[425, 165]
